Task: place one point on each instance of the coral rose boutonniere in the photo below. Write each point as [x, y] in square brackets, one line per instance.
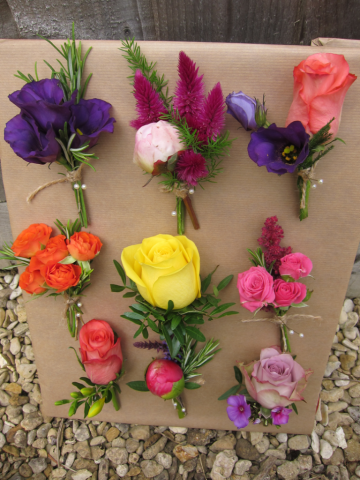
[320, 85]
[171, 301]
[58, 265]
[56, 124]
[102, 360]
[178, 138]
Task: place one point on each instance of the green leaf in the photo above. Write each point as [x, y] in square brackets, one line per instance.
[228, 313]
[78, 359]
[86, 409]
[179, 335]
[138, 386]
[139, 330]
[170, 307]
[152, 325]
[73, 408]
[78, 385]
[221, 308]
[87, 380]
[68, 260]
[299, 305]
[308, 295]
[129, 294]
[168, 339]
[175, 346]
[225, 282]
[294, 407]
[145, 333]
[140, 308]
[120, 271]
[134, 320]
[192, 385]
[238, 374]
[116, 288]
[62, 402]
[216, 291]
[206, 282]
[195, 320]
[133, 316]
[175, 322]
[287, 278]
[195, 334]
[231, 391]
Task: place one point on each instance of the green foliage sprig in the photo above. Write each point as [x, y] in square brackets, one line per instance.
[174, 325]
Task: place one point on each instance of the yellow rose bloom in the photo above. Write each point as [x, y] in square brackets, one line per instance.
[164, 268]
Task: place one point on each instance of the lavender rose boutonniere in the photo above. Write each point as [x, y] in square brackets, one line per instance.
[56, 124]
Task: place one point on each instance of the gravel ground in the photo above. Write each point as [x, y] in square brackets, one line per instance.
[31, 443]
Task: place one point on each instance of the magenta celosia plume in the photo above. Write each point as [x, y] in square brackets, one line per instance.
[212, 116]
[148, 102]
[191, 167]
[189, 93]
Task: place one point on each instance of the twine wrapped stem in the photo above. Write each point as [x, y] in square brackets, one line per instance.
[182, 198]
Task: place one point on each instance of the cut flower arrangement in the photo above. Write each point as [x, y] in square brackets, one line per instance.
[56, 124]
[178, 137]
[320, 85]
[266, 387]
[171, 301]
[57, 266]
[102, 360]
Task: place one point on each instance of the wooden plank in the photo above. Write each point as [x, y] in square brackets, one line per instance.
[8, 27]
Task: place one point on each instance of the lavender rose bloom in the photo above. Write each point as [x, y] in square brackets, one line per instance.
[281, 150]
[275, 380]
[29, 143]
[89, 119]
[43, 101]
[243, 109]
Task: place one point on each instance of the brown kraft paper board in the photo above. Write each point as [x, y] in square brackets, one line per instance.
[231, 214]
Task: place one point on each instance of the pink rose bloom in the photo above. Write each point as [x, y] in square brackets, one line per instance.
[296, 265]
[100, 354]
[255, 288]
[320, 85]
[287, 293]
[155, 142]
[165, 378]
[275, 380]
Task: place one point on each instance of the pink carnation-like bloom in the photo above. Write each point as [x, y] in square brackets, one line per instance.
[287, 293]
[155, 142]
[275, 380]
[256, 288]
[296, 265]
[191, 167]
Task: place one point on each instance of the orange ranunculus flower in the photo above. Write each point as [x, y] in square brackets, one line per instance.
[30, 240]
[54, 251]
[84, 246]
[32, 281]
[61, 277]
[320, 85]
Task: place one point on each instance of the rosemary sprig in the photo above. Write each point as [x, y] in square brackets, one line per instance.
[7, 254]
[191, 361]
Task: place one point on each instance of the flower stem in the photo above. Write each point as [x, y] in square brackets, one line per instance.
[285, 339]
[114, 399]
[80, 203]
[304, 212]
[180, 211]
[191, 212]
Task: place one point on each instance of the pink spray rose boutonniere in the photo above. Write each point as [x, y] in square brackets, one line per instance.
[256, 288]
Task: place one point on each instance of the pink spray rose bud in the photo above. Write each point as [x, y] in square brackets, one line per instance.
[155, 142]
[296, 265]
[256, 288]
[275, 380]
[165, 379]
[287, 293]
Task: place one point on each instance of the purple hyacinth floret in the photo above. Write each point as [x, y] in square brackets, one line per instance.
[238, 410]
[29, 143]
[43, 101]
[281, 150]
[89, 119]
[243, 109]
[280, 415]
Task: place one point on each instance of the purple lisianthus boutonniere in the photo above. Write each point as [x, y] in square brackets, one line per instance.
[280, 150]
[56, 124]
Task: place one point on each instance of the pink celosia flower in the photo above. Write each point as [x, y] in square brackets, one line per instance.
[191, 167]
[148, 102]
[189, 92]
[212, 116]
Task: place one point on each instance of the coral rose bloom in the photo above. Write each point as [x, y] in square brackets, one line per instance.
[320, 85]
[275, 380]
[100, 354]
[30, 240]
[32, 281]
[84, 246]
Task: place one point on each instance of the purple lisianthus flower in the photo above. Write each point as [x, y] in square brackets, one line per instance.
[243, 109]
[280, 415]
[89, 119]
[29, 143]
[43, 101]
[238, 410]
[281, 150]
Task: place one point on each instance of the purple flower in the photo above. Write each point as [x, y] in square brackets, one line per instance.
[280, 415]
[243, 109]
[43, 101]
[238, 411]
[29, 143]
[281, 150]
[89, 119]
